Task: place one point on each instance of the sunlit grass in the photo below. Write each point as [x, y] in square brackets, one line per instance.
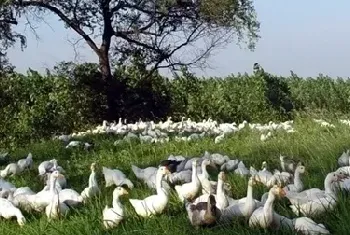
[316, 146]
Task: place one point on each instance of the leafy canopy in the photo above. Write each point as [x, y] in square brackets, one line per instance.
[166, 33]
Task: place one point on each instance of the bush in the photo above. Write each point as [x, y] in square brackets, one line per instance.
[145, 96]
[72, 97]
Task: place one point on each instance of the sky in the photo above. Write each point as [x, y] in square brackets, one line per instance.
[309, 37]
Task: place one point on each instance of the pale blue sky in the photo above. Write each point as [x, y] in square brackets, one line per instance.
[306, 36]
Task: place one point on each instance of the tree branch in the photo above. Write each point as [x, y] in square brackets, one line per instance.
[6, 21]
[119, 5]
[137, 43]
[75, 45]
[60, 14]
[167, 56]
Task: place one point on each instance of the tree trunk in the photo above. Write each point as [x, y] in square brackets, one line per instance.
[112, 89]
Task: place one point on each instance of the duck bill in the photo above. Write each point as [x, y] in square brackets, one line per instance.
[282, 192]
[254, 182]
[167, 172]
[223, 176]
[342, 177]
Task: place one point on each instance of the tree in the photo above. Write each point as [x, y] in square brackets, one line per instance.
[5, 66]
[7, 36]
[166, 33]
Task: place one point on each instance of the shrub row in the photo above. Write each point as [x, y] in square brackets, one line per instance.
[71, 97]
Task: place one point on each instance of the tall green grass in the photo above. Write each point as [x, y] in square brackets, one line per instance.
[319, 148]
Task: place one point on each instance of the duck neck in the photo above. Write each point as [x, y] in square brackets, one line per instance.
[53, 185]
[10, 195]
[5, 171]
[159, 178]
[282, 164]
[249, 192]
[249, 203]
[297, 180]
[55, 165]
[220, 194]
[53, 190]
[55, 200]
[194, 174]
[268, 206]
[116, 202]
[328, 184]
[92, 180]
[204, 170]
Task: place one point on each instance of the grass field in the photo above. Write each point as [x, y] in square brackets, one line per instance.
[319, 147]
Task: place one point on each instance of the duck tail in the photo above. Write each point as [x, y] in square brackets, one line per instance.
[5, 171]
[137, 171]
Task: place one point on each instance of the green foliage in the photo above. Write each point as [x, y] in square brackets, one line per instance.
[144, 96]
[72, 97]
[5, 66]
[230, 99]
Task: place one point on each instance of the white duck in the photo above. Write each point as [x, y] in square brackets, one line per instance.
[244, 208]
[23, 190]
[40, 200]
[93, 188]
[176, 177]
[315, 201]
[25, 163]
[216, 158]
[113, 216]
[116, 177]
[287, 165]
[263, 216]
[45, 166]
[344, 169]
[207, 185]
[70, 197]
[297, 185]
[56, 209]
[8, 210]
[344, 184]
[148, 176]
[282, 178]
[10, 169]
[303, 225]
[241, 169]
[61, 182]
[263, 176]
[307, 226]
[49, 166]
[230, 165]
[6, 185]
[344, 159]
[189, 190]
[154, 204]
[220, 197]
[268, 179]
